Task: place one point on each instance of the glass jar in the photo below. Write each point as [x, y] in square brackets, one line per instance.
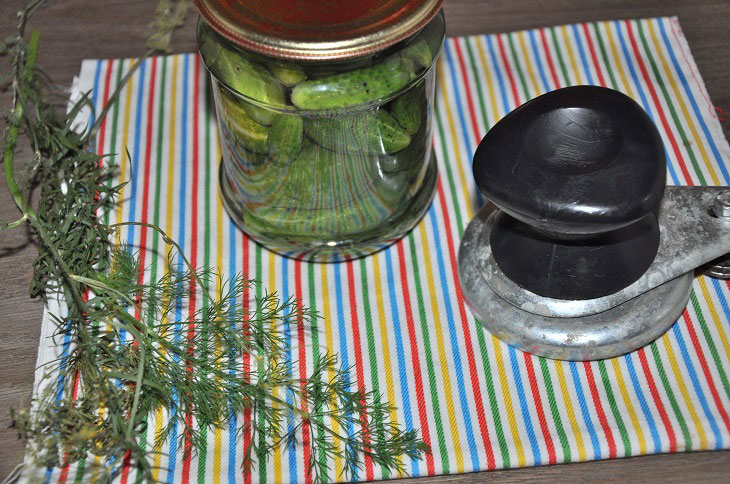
[324, 119]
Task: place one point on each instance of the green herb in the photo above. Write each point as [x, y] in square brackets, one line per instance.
[181, 365]
[169, 15]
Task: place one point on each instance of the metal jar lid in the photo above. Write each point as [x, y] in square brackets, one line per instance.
[317, 29]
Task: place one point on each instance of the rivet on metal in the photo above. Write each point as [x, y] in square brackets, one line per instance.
[720, 268]
[721, 207]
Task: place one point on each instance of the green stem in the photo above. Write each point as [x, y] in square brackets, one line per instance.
[94, 284]
[11, 142]
[67, 273]
[16, 119]
[286, 405]
[17, 223]
[137, 391]
[341, 438]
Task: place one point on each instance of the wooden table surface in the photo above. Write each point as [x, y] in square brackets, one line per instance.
[72, 30]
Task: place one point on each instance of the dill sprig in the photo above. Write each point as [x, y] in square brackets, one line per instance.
[129, 356]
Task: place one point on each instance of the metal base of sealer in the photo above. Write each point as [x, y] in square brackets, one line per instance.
[607, 326]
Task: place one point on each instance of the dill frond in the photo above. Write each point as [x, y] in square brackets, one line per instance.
[124, 368]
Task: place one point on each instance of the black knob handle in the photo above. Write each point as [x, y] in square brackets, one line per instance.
[582, 159]
[578, 173]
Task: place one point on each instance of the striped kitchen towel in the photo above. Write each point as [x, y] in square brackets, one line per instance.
[397, 317]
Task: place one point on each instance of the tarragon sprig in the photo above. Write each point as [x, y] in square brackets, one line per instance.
[129, 356]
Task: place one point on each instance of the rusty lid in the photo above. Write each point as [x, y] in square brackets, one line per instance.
[317, 29]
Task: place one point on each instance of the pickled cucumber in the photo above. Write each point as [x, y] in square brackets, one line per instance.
[352, 88]
[433, 34]
[247, 78]
[259, 114]
[285, 138]
[315, 201]
[419, 52]
[406, 109]
[412, 68]
[243, 158]
[251, 134]
[288, 75]
[375, 132]
[412, 158]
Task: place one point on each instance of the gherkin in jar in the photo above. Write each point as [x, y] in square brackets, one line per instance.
[325, 158]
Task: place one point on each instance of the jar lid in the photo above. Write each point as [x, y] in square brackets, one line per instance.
[317, 29]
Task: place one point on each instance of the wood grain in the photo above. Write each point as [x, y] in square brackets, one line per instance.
[72, 30]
